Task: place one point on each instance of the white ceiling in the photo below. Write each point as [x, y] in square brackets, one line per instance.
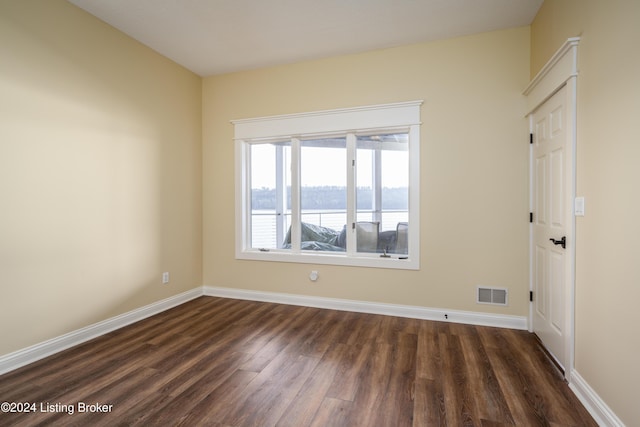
[220, 36]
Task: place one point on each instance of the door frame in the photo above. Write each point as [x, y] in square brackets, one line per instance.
[560, 71]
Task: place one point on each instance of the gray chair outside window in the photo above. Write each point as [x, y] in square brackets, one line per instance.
[402, 239]
[367, 236]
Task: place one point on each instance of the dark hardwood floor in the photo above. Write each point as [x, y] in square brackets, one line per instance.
[225, 362]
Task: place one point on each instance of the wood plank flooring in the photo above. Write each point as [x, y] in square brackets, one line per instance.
[225, 362]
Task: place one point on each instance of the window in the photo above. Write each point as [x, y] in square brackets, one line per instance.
[330, 187]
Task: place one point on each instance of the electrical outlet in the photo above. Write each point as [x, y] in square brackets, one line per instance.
[165, 277]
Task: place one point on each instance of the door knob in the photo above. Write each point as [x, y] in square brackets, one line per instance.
[562, 242]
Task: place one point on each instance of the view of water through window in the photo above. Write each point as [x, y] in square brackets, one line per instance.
[381, 192]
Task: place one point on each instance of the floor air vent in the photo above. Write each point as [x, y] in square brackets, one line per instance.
[497, 296]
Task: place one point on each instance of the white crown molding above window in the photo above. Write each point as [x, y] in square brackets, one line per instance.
[339, 120]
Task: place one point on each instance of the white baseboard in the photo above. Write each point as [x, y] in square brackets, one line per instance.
[15, 360]
[415, 312]
[598, 409]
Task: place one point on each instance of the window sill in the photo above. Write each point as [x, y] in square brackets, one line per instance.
[401, 262]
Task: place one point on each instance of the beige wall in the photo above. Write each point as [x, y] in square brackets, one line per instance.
[100, 173]
[474, 166]
[607, 254]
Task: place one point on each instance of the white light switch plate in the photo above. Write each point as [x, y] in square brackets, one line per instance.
[578, 206]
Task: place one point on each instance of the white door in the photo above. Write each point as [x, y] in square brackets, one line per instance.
[552, 213]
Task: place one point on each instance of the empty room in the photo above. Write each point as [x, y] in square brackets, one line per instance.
[362, 213]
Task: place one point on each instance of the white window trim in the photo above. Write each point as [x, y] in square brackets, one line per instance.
[402, 115]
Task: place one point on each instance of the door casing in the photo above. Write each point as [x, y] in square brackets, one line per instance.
[560, 71]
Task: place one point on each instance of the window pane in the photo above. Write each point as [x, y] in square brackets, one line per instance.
[382, 193]
[323, 194]
[270, 194]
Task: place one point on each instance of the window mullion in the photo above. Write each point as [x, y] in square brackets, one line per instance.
[351, 194]
[281, 191]
[377, 185]
[245, 185]
[295, 195]
[414, 191]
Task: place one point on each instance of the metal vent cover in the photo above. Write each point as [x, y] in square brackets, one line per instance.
[496, 296]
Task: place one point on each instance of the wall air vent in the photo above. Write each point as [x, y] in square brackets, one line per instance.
[496, 296]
